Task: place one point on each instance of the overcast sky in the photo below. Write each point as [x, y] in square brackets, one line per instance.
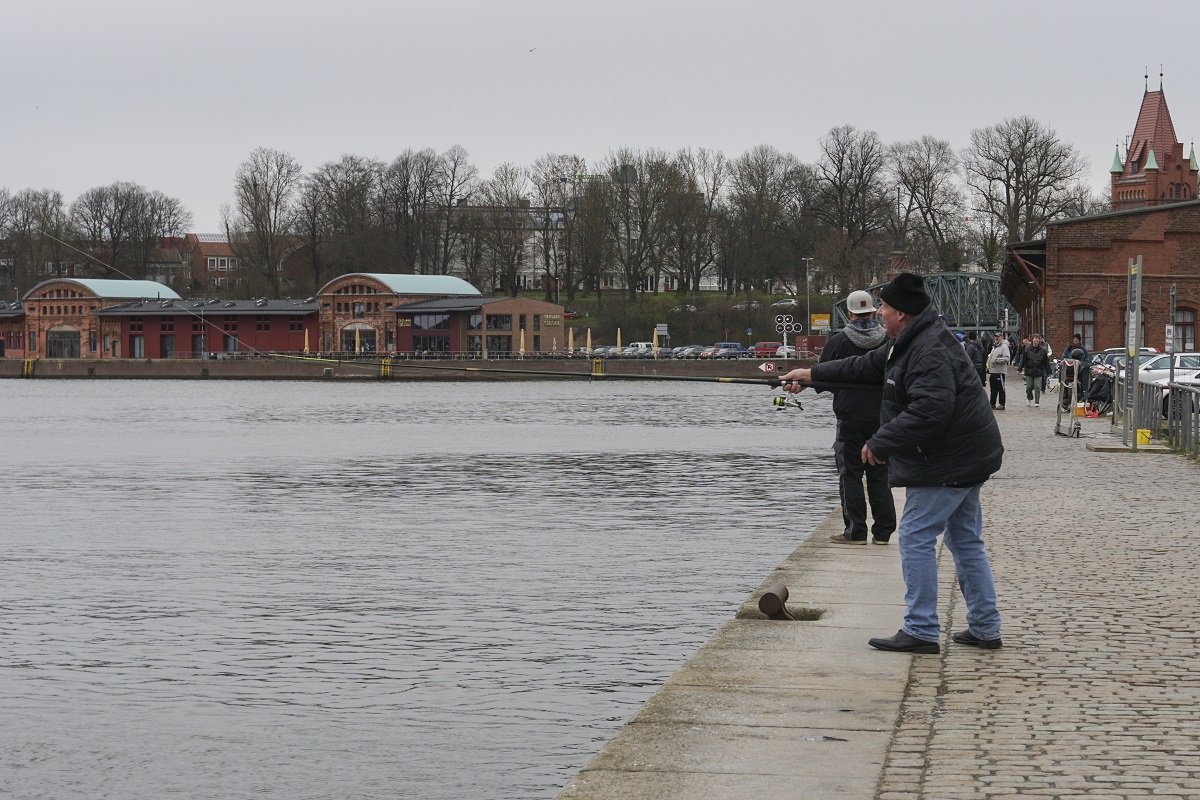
[133, 90]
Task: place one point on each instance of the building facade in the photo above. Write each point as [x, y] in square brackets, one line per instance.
[1076, 279]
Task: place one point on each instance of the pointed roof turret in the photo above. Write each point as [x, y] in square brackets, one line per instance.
[1154, 128]
[1192, 165]
[1151, 161]
[1117, 167]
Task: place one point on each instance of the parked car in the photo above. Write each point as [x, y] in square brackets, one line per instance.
[747, 305]
[766, 349]
[708, 352]
[1115, 357]
[1160, 366]
[689, 351]
[786, 351]
[731, 350]
[570, 313]
[790, 302]
[1189, 378]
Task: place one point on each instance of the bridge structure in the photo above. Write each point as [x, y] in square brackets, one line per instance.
[970, 301]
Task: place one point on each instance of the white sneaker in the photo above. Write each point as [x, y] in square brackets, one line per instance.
[1028, 403]
[1037, 405]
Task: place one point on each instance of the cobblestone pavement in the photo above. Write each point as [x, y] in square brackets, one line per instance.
[1097, 688]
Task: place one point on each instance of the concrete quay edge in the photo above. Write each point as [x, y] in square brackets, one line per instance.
[1093, 694]
[770, 708]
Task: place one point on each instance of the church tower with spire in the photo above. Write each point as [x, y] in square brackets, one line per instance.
[1154, 170]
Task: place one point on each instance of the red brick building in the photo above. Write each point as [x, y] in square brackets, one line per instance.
[1075, 280]
[389, 313]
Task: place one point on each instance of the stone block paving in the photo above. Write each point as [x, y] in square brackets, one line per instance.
[1096, 692]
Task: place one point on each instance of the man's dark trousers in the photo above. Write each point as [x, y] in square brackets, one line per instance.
[848, 449]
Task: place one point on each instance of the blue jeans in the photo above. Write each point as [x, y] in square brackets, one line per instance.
[928, 511]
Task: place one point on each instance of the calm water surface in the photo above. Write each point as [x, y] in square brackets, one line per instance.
[418, 590]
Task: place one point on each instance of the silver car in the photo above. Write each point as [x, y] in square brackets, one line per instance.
[1159, 367]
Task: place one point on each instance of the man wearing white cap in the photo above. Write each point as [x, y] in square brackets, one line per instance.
[858, 419]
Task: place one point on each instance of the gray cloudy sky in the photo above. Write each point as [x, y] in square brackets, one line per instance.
[135, 90]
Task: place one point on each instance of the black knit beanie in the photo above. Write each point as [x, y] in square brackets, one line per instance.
[906, 293]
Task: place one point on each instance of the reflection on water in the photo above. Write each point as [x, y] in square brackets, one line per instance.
[317, 590]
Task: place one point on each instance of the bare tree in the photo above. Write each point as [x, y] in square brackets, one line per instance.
[311, 225]
[1022, 174]
[36, 228]
[692, 215]
[926, 171]
[638, 184]
[852, 197]
[264, 187]
[106, 220]
[554, 180]
[121, 224]
[507, 227]
[411, 200]
[766, 198]
[458, 179]
[349, 195]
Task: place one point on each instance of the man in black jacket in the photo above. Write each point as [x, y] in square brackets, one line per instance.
[857, 420]
[940, 440]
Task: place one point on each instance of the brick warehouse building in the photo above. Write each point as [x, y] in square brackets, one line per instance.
[1075, 280]
[431, 314]
[361, 312]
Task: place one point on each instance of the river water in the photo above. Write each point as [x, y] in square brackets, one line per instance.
[425, 590]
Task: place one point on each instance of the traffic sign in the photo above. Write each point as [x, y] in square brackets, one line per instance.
[767, 366]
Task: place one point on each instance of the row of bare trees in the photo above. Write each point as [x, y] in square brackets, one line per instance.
[114, 230]
[636, 219]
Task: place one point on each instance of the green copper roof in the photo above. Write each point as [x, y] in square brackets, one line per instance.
[119, 290]
[1151, 163]
[436, 285]
[1117, 166]
[1192, 160]
[425, 284]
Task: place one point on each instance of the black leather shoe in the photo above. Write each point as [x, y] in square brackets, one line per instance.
[838, 538]
[903, 643]
[965, 637]
[877, 540]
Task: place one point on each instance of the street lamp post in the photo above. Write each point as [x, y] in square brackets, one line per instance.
[807, 297]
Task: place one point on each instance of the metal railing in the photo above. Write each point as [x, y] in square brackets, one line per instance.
[1170, 412]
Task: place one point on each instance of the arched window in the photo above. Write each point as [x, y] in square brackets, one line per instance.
[1083, 322]
[1185, 330]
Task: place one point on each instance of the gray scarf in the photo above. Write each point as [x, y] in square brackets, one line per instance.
[868, 339]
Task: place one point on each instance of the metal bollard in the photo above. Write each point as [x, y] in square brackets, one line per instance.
[772, 602]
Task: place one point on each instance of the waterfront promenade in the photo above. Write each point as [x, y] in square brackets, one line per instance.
[1094, 694]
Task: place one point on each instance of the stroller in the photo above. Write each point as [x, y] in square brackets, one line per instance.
[1098, 400]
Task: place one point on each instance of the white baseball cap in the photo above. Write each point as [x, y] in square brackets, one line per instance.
[860, 302]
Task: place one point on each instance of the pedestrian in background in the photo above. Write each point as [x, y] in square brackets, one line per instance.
[940, 442]
[997, 367]
[978, 356]
[857, 420]
[1019, 355]
[1035, 364]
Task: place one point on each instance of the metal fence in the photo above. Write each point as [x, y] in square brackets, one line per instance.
[1170, 412]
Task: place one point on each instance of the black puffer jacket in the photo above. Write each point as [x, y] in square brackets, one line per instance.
[936, 427]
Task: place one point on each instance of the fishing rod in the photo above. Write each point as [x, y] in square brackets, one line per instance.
[772, 382]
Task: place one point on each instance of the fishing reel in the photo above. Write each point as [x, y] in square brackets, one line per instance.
[783, 401]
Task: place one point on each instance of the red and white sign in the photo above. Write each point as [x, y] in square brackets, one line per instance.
[768, 366]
